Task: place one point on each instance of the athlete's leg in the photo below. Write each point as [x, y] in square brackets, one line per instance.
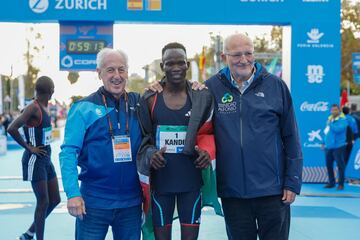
[163, 206]
[42, 202]
[54, 199]
[189, 209]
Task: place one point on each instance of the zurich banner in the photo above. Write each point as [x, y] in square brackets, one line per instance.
[315, 44]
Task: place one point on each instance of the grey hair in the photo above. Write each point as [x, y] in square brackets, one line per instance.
[236, 35]
[106, 51]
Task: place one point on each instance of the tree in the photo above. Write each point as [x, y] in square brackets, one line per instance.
[34, 47]
[73, 77]
[350, 42]
[136, 83]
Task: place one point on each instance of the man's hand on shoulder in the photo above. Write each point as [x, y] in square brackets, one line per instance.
[155, 87]
[197, 86]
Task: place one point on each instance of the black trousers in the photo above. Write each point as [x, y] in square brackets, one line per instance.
[266, 217]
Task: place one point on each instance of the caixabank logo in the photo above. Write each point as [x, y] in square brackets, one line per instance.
[314, 139]
[314, 38]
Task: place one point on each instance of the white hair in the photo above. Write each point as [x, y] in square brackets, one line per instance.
[241, 36]
[106, 51]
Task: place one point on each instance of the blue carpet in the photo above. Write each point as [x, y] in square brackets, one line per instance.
[320, 212]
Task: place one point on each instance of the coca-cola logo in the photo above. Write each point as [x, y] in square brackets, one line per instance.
[314, 107]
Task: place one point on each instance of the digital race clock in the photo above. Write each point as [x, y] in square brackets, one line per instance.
[83, 46]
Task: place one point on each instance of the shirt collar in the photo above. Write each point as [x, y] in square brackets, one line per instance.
[246, 83]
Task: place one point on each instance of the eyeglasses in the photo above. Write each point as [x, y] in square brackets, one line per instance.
[238, 55]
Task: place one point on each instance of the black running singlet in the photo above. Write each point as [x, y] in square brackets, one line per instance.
[40, 135]
[179, 173]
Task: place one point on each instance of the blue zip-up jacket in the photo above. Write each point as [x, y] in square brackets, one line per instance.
[352, 124]
[88, 144]
[335, 132]
[257, 141]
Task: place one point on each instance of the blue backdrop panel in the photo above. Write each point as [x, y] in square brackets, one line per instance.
[315, 45]
[353, 167]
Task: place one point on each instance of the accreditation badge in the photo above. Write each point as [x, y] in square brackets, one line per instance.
[172, 137]
[121, 149]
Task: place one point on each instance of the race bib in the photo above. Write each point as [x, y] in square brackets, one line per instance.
[172, 137]
[121, 149]
[47, 136]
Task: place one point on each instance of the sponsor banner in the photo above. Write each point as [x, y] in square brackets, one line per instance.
[353, 167]
[267, 11]
[356, 66]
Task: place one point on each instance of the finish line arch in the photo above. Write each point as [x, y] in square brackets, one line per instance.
[312, 35]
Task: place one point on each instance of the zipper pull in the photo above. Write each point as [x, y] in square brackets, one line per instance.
[118, 125]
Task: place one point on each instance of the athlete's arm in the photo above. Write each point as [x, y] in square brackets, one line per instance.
[157, 160]
[31, 114]
[203, 160]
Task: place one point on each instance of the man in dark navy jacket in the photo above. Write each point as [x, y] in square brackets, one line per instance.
[259, 159]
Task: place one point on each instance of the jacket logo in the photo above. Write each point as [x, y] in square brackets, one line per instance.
[188, 114]
[260, 94]
[98, 112]
[227, 98]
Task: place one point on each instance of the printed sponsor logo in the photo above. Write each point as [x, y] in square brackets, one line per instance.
[262, 1]
[357, 160]
[260, 94]
[38, 6]
[98, 112]
[314, 40]
[227, 105]
[93, 5]
[315, 73]
[314, 139]
[314, 35]
[68, 61]
[317, 1]
[320, 106]
[227, 98]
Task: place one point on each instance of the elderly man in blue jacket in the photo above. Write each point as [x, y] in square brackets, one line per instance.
[335, 145]
[259, 158]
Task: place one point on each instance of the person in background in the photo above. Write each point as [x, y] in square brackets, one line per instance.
[36, 162]
[335, 146]
[352, 132]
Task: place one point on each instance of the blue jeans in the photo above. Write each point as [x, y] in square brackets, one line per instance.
[125, 224]
[338, 155]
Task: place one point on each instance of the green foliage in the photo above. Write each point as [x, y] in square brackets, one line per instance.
[73, 77]
[34, 48]
[136, 84]
[350, 42]
[75, 98]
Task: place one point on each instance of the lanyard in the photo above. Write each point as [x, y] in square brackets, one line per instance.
[111, 131]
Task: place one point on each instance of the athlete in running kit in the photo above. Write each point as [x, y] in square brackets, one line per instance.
[175, 175]
[36, 163]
